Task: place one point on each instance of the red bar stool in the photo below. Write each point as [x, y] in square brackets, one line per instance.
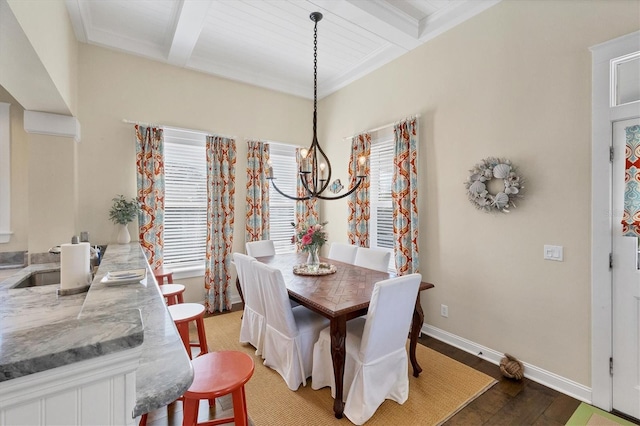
[173, 293]
[182, 314]
[161, 274]
[214, 375]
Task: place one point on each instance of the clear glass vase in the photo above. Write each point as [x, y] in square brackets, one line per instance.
[313, 261]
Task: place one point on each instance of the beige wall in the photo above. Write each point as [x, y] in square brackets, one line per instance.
[114, 86]
[19, 178]
[48, 28]
[513, 82]
[52, 192]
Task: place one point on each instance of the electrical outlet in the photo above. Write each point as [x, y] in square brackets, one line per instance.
[444, 311]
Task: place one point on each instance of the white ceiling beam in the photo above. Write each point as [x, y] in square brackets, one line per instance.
[451, 16]
[189, 23]
[22, 72]
[78, 16]
[377, 17]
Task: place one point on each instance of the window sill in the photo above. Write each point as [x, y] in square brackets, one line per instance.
[186, 272]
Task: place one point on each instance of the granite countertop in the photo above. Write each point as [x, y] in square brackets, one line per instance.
[107, 319]
[165, 370]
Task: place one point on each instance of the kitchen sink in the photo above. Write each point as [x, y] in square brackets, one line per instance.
[39, 278]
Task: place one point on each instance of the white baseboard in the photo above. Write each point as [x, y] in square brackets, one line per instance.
[537, 374]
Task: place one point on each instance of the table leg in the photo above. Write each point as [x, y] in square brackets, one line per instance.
[240, 291]
[416, 325]
[338, 329]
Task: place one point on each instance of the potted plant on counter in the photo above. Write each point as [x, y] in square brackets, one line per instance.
[122, 212]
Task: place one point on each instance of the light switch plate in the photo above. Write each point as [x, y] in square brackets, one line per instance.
[553, 253]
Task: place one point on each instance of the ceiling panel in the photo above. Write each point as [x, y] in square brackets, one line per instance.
[269, 43]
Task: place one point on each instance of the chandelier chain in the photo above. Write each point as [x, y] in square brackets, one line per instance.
[315, 175]
[315, 75]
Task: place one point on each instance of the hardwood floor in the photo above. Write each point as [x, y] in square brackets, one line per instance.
[508, 402]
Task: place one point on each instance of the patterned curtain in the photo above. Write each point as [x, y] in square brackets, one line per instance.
[404, 192]
[306, 211]
[257, 218]
[150, 182]
[359, 203]
[221, 163]
[631, 215]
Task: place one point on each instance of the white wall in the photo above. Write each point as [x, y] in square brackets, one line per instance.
[513, 82]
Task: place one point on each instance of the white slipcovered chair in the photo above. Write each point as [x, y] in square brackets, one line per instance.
[372, 258]
[254, 323]
[260, 248]
[376, 364]
[343, 252]
[290, 333]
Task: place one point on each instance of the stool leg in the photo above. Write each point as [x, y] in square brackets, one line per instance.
[239, 407]
[180, 298]
[202, 336]
[190, 412]
[143, 420]
[183, 329]
[170, 279]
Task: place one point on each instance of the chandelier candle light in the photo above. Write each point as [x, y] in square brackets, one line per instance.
[315, 167]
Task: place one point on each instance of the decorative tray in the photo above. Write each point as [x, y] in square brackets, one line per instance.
[323, 269]
[124, 277]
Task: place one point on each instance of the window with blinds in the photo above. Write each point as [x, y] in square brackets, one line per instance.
[381, 166]
[282, 211]
[185, 215]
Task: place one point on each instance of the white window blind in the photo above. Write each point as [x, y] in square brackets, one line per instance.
[185, 215]
[381, 165]
[282, 211]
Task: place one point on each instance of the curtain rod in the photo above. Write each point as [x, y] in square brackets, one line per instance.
[208, 133]
[380, 127]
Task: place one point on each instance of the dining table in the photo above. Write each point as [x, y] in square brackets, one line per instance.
[340, 296]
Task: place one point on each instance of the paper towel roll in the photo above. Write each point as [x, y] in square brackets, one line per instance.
[75, 269]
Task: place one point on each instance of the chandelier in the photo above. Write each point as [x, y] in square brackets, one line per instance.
[314, 171]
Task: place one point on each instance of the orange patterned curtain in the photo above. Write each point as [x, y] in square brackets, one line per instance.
[150, 182]
[359, 203]
[404, 192]
[631, 214]
[221, 172]
[257, 216]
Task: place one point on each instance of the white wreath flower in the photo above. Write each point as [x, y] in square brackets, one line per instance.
[482, 173]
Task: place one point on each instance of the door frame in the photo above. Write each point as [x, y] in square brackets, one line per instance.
[603, 115]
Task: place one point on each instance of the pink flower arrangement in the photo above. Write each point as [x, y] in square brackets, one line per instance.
[309, 236]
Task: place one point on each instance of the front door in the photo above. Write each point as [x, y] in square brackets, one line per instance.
[625, 292]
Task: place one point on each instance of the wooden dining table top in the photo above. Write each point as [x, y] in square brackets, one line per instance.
[345, 292]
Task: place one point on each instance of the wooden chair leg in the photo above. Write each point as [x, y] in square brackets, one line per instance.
[183, 329]
[202, 337]
[240, 407]
[190, 412]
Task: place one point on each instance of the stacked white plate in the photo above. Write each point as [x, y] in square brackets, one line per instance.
[124, 277]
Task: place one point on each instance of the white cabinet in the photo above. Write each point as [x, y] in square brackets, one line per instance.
[98, 391]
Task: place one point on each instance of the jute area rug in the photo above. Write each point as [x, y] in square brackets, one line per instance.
[444, 387]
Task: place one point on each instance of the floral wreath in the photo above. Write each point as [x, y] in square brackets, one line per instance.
[482, 173]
